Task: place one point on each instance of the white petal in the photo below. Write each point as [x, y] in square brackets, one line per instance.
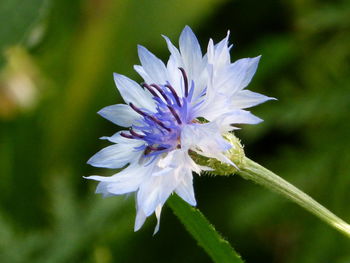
[178, 160]
[155, 191]
[211, 52]
[185, 189]
[219, 55]
[172, 159]
[140, 220]
[207, 140]
[117, 138]
[215, 105]
[175, 77]
[222, 51]
[225, 121]
[237, 75]
[127, 185]
[139, 69]
[174, 52]
[238, 117]
[102, 189]
[115, 156]
[153, 66]
[191, 52]
[246, 98]
[120, 114]
[132, 92]
[158, 211]
[126, 181]
[203, 136]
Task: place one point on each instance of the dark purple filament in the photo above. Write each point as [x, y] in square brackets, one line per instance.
[185, 80]
[172, 110]
[172, 90]
[149, 116]
[161, 92]
[150, 89]
[135, 134]
[125, 135]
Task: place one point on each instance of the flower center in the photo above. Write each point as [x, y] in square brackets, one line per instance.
[161, 130]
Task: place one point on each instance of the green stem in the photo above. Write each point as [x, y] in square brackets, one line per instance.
[250, 170]
[207, 237]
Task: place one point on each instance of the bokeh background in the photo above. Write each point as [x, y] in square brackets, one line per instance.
[56, 65]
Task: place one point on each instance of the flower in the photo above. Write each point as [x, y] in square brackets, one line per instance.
[182, 107]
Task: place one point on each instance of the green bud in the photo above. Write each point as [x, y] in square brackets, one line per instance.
[235, 154]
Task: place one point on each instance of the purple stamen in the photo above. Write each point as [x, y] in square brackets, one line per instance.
[152, 148]
[149, 116]
[159, 123]
[172, 110]
[161, 92]
[149, 149]
[173, 91]
[138, 110]
[128, 136]
[149, 88]
[185, 80]
[135, 134]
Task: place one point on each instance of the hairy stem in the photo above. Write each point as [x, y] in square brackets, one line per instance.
[250, 170]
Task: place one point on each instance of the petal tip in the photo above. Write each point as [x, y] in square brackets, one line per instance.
[118, 78]
[187, 31]
[187, 27]
[91, 162]
[102, 112]
[141, 49]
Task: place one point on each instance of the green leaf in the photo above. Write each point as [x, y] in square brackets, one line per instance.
[200, 228]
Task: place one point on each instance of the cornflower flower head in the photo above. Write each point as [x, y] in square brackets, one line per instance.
[184, 107]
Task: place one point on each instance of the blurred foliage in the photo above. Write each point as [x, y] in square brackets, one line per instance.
[17, 18]
[59, 75]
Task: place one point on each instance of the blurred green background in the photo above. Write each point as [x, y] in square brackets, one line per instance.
[56, 65]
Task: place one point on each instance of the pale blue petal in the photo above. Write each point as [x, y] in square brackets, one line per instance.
[140, 219]
[236, 117]
[132, 92]
[238, 75]
[139, 69]
[117, 138]
[196, 137]
[191, 52]
[246, 99]
[153, 66]
[120, 114]
[219, 55]
[125, 186]
[222, 51]
[114, 156]
[185, 189]
[126, 181]
[175, 76]
[102, 189]
[157, 212]
[174, 52]
[155, 191]
[244, 117]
